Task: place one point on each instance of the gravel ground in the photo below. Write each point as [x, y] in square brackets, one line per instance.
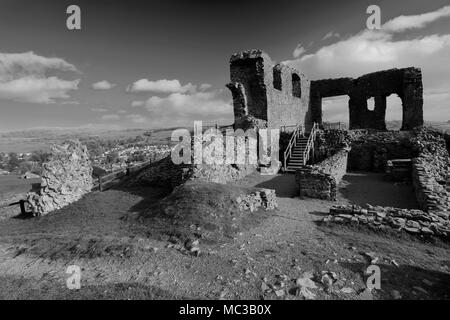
[284, 257]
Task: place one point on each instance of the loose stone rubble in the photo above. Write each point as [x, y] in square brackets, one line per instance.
[412, 221]
[265, 198]
[66, 177]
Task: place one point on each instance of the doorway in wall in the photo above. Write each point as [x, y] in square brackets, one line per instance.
[394, 112]
[335, 111]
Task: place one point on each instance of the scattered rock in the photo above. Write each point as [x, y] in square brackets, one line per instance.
[396, 295]
[347, 290]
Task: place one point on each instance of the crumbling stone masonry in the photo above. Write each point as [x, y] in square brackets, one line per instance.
[412, 221]
[66, 177]
[321, 180]
[275, 95]
[430, 172]
[406, 83]
[272, 95]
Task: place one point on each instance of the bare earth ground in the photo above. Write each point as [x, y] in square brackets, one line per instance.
[12, 189]
[119, 260]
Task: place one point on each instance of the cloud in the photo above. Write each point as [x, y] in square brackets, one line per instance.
[372, 50]
[162, 86]
[402, 23]
[110, 117]
[137, 104]
[24, 77]
[298, 51]
[136, 118]
[99, 110]
[103, 85]
[205, 86]
[179, 109]
[331, 34]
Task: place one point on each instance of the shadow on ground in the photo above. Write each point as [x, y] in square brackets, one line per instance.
[411, 282]
[284, 185]
[52, 289]
[363, 188]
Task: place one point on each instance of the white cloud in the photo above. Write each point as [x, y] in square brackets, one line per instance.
[183, 108]
[75, 103]
[121, 111]
[402, 23]
[298, 51]
[162, 86]
[24, 77]
[371, 50]
[103, 85]
[205, 86]
[110, 117]
[136, 118]
[99, 110]
[137, 104]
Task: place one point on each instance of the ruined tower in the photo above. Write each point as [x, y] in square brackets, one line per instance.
[267, 94]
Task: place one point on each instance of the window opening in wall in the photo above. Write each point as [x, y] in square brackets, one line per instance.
[277, 78]
[296, 86]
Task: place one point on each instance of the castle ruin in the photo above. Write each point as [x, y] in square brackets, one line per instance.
[275, 95]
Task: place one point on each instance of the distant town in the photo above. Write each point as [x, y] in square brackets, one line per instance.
[107, 155]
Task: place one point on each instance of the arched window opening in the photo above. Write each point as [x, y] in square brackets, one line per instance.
[277, 78]
[296, 86]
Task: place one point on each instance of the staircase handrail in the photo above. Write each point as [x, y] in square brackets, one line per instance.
[310, 143]
[299, 129]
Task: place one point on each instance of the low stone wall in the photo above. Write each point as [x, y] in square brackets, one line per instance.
[415, 222]
[430, 171]
[330, 141]
[167, 174]
[66, 177]
[261, 198]
[371, 151]
[321, 180]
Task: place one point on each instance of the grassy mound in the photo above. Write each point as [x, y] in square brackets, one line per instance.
[201, 210]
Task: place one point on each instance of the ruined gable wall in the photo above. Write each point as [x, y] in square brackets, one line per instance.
[254, 94]
[283, 108]
[247, 69]
[378, 85]
[406, 83]
[66, 177]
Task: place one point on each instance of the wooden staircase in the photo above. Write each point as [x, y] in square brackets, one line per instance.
[299, 149]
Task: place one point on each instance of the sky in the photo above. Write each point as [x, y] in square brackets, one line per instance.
[155, 64]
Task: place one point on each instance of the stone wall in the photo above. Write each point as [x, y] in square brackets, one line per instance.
[371, 151]
[66, 177]
[165, 173]
[321, 180]
[406, 83]
[430, 171]
[329, 142]
[414, 222]
[273, 93]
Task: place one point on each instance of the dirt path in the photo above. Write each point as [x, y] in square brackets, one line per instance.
[119, 261]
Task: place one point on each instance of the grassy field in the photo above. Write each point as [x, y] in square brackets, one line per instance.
[11, 185]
